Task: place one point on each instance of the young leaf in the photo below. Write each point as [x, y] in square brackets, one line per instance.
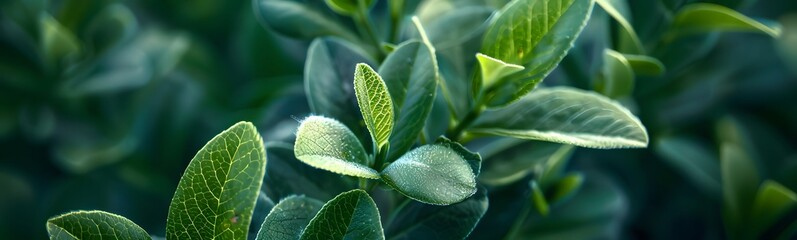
[327, 144]
[281, 179]
[217, 193]
[568, 116]
[617, 79]
[739, 185]
[347, 7]
[618, 9]
[535, 34]
[350, 215]
[538, 198]
[410, 74]
[517, 162]
[706, 17]
[375, 103]
[328, 72]
[90, 225]
[494, 70]
[299, 19]
[772, 202]
[433, 174]
[566, 187]
[645, 65]
[288, 218]
[424, 221]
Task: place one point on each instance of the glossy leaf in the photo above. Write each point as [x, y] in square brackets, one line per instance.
[90, 225]
[299, 19]
[617, 79]
[516, 163]
[410, 74]
[350, 215]
[423, 221]
[285, 176]
[328, 74]
[568, 116]
[433, 174]
[493, 70]
[474, 159]
[535, 34]
[288, 218]
[772, 202]
[645, 65]
[619, 10]
[327, 144]
[375, 103]
[706, 17]
[217, 193]
[740, 181]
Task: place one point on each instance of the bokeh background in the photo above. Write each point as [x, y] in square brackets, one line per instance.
[104, 102]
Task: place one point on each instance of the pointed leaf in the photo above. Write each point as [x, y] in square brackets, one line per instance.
[740, 181]
[350, 215]
[410, 74]
[217, 193]
[327, 144]
[328, 74]
[473, 158]
[619, 10]
[424, 221]
[706, 17]
[288, 218]
[375, 103]
[568, 116]
[299, 19]
[535, 34]
[617, 79]
[538, 198]
[772, 202]
[89, 225]
[433, 174]
[645, 65]
[493, 70]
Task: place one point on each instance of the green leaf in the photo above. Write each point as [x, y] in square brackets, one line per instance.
[455, 27]
[693, 160]
[706, 17]
[473, 158]
[410, 74]
[517, 162]
[375, 103]
[113, 25]
[288, 218]
[535, 34]
[328, 72]
[281, 179]
[327, 144]
[434, 174]
[347, 7]
[350, 215]
[217, 193]
[538, 198]
[645, 65]
[493, 70]
[300, 19]
[424, 221]
[619, 10]
[88, 225]
[263, 206]
[568, 116]
[57, 42]
[617, 79]
[566, 187]
[772, 202]
[740, 181]
[555, 165]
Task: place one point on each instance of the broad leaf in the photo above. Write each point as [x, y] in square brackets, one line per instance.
[217, 193]
[288, 218]
[617, 79]
[568, 116]
[327, 144]
[410, 74]
[706, 17]
[538, 198]
[493, 70]
[535, 34]
[618, 9]
[693, 160]
[517, 162]
[350, 215]
[458, 25]
[424, 221]
[433, 174]
[375, 103]
[474, 159]
[286, 176]
[772, 202]
[740, 181]
[300, 19]
[89, 225]
[645, 65]
[328, 74]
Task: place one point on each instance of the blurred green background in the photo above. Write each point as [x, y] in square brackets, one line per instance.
[103, 103]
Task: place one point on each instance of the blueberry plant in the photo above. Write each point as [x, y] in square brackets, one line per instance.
[421, 109]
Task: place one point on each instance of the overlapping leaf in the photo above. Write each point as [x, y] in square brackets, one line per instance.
[91, 225]
[327, 144]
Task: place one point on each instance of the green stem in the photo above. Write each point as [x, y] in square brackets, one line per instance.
[396, 12]
[366, 29]
[381, 155]
[519, 221]
[456, 133]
